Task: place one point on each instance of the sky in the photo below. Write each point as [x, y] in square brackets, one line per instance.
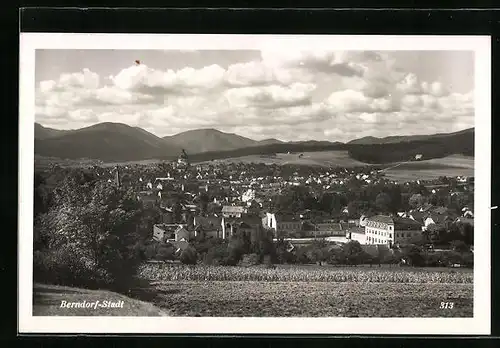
[302, 95]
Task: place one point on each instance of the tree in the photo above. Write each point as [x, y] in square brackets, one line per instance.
[236, 249]
[177, 212]
[98, 222]
[353, 252]
[416, 200]
[165, 252]
[204, 200]
[356, 208]
[459, 246]
[413, 254]
[383, 202]
[189, 256]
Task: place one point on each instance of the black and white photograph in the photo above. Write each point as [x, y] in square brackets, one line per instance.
[259, 184]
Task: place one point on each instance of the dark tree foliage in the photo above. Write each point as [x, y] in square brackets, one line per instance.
[189, 256]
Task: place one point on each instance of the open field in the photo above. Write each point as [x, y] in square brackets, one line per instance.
[319, 158]
[312, 299]
[432, 169]
[47, 302]
[166, 272]
[310, 291]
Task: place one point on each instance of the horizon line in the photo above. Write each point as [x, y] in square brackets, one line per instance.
[284, 141]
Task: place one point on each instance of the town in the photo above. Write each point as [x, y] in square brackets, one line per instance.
[296, 206]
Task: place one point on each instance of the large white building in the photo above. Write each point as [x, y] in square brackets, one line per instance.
[382, 229]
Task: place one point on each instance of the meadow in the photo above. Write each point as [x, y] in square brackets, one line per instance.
[309, 291]
[318, 158]
[449, 166]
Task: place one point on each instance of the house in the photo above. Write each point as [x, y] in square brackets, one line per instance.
[282, 223]
[467, 213]
[231, 211]
[208, 227]
[170, 232]
[328, 229]
[436, 219]
[425, 208]
[357, 234]
[147, 198]
[465, 221]
[249, 225]
[362, 221]
[417, 216]
[383, 229]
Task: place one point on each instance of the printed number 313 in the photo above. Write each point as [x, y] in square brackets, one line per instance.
[446, 305]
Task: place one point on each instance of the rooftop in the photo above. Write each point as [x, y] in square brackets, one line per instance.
[385, 219]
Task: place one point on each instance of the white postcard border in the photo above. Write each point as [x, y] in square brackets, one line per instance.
[479, 324]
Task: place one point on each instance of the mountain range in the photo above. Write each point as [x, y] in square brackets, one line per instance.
[205, 140]
[405, 138]
[119, 142]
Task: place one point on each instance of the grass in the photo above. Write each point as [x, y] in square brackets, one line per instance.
[318, 158]
[47, 302]
[164, 272]
[432, 169]
[312, 299]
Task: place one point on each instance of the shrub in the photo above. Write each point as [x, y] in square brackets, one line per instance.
[165, 253]
[217, 255]
[189, 256]
[65, 266]
[249, 260]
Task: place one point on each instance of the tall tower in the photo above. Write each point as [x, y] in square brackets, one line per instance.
[117, 177]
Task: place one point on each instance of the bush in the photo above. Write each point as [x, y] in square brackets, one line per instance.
[65, 267]
[459, 246]
[217, 255]
[249, 260]
[165, 253]
[189, 256]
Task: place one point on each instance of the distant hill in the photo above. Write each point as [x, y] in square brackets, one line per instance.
[106, 141]
[204, 140]
[119, 142]
[42, 132]
[369, 140]
[268, 142]
[433, 146]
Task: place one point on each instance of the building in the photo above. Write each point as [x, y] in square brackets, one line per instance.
[208, 227]
[147, 198]
[382, 229]
[233, 211]
[329, 229]
[183, 160]
[170, 232]
[436, 219]
[282, 224]
[246, 225]
[357, 234]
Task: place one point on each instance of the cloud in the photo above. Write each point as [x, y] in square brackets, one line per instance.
[313, 62]
[272, 96]
[350, 101]
[141, 78]
[319, 95]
